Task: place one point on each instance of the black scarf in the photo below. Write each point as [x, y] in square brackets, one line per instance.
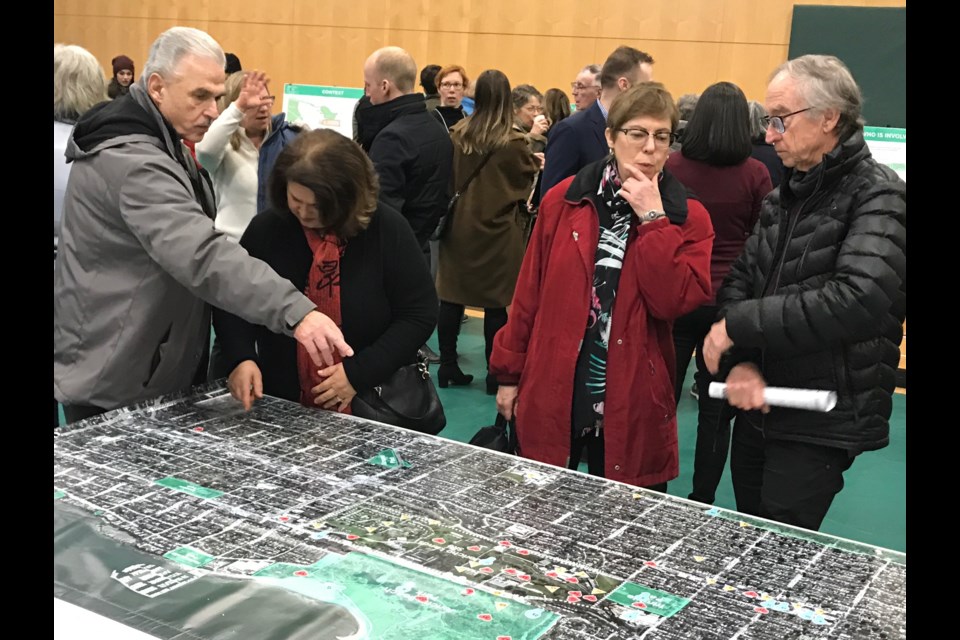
[616, 219]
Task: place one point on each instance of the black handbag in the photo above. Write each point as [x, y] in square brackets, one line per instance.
[407, 399]
[444, 223]
[500, 436]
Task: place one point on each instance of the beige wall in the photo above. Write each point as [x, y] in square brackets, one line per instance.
[695, 42]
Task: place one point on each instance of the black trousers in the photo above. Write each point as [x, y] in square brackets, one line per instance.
[782, 480]
[77, 412]
[714, 415]
[593, 444]
[448, 329]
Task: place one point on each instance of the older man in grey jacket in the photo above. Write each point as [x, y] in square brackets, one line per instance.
[139, 257]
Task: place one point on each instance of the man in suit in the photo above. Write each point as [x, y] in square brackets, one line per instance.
[579, 140]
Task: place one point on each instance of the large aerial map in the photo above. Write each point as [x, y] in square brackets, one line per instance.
[187, 517]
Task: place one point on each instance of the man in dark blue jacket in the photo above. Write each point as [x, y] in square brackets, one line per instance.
[410, 149]
[579, 140]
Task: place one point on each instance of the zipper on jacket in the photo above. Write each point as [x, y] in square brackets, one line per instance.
[845, 376]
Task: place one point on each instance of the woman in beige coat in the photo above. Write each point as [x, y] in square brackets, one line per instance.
[481, 253]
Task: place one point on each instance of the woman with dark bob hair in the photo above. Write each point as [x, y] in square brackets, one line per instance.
[715, 163]
[620, 250]
[357, 260]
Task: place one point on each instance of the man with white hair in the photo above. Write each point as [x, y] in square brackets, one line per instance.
[586, 88]
[139, 258]
[816, 300]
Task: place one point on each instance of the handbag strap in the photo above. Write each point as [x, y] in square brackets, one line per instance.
[473, 174]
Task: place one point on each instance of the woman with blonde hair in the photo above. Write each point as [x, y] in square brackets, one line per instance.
[480, 255]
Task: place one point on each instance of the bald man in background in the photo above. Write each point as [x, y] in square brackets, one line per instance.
[410, 149]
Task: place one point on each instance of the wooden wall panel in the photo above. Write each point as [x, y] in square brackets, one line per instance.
[542, 42]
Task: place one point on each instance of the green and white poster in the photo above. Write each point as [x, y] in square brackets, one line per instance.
[321, 107]
[889, 147]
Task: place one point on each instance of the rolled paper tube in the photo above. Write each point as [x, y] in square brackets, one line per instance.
[809, 399]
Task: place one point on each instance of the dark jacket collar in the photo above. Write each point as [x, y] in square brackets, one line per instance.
[839, 162]
[373, 118]
[674, 195]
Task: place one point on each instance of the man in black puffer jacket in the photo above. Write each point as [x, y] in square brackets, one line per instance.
[409, 147]
[817, 300]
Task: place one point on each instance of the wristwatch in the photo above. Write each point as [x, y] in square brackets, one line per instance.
[651, 215]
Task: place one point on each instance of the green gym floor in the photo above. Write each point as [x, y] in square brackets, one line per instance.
[871, 508]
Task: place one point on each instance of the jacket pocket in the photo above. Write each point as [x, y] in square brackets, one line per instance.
[158, 356]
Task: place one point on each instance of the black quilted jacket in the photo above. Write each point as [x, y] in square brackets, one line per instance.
[818, 297]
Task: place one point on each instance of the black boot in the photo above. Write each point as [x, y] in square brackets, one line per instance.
[448, 328]
[451, 374]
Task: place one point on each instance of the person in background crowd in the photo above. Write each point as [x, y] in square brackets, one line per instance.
[586, 87]
[579, 141]
[686, 104]
[428, 76]
[715, 164]
[78, 85]
[577, 371]
[451, 81]
[556, 107]
[233, 64]
[122, 77]
[763, 151]
[816, 300]
[528, 115]
[480, 255]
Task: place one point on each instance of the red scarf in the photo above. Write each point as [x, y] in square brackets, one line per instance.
[323, 289]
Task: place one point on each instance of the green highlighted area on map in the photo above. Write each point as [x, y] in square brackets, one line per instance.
[188, 487]
[392, 602]
[389, 459]
[57, 494]
[188, 557]
[660, 603]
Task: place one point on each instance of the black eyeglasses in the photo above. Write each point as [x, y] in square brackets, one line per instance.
[777, 121]
[451, 85]
[661, 139]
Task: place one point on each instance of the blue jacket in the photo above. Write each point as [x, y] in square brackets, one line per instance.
[281, 134]
[574, 143]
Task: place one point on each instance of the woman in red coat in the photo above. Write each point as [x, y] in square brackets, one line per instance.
[580, 372]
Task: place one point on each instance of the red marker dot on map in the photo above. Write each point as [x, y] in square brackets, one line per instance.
[525, 578]
[422, 599]
[504, 638]
[523, 552]
[511, 571]
[300, 574]
[486, 570]
[750, 594]
[468, 591]
[506, 543]
[198, 429]
[639, 605]
[579, 594]
[761, 610]
[650, 563]
[473, 548]
[590, 598]
[573, 580]
[552, 574]
[352, 536]
[283, 518]
[486, 617]
[573, 599]
[439, 540]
